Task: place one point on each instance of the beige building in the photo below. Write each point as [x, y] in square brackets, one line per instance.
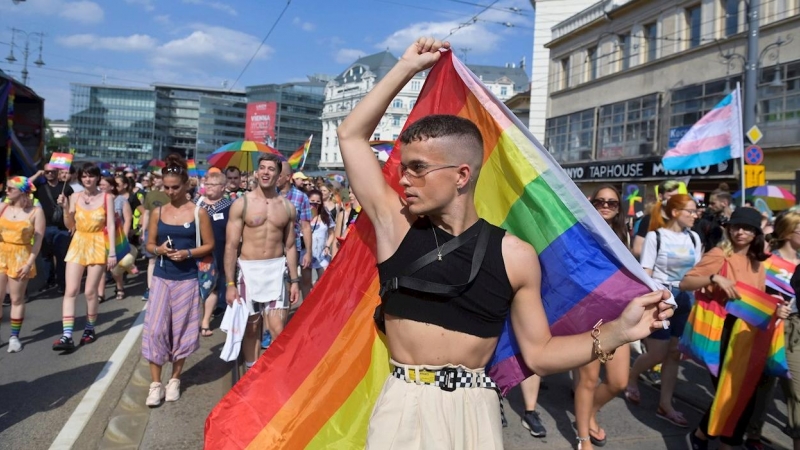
[628, 77]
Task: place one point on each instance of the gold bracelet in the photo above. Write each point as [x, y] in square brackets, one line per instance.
[230, 283]
[602, 356]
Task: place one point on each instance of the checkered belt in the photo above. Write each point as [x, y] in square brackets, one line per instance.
[449, 379]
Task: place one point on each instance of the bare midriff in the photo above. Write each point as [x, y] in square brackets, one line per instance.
[417, 343]
[264, 225]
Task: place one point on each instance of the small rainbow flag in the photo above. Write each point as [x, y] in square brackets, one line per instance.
[61, 161]
[192, 167]
[779, 274]
[298, 158]
[319, 392]
[702, 335]
[755, 306]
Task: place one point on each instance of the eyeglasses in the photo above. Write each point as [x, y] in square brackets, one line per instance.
[603, 203]
[419, 170]
[742, 228]
[315, 203]
[50, 172]
[174, 169]
[692, 212]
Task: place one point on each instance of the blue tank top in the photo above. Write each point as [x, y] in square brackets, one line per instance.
[183, 237]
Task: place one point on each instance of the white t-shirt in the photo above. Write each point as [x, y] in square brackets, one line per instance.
[676, 256]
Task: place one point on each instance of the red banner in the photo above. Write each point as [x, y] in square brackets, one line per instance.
[260, 123]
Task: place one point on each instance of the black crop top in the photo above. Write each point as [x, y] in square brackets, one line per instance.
[480, 310]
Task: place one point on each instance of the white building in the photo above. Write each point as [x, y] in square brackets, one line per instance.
[60, 128]
[547, 15]
[345, 91]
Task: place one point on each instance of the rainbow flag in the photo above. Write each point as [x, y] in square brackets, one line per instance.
[755, 306]
[298, 158]
[777, 366]
[317, 384]
[715, 138]
[61, 161]
[702, 335]
[779, 274]
[192, 167]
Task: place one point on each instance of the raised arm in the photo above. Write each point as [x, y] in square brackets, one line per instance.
[290, 248]
[376, 197]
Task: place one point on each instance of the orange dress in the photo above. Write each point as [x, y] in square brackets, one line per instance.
[88, 246]
[16, 237]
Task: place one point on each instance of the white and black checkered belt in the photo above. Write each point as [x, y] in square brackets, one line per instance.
[446, 379]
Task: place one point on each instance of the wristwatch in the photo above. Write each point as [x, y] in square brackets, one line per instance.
[294, 280]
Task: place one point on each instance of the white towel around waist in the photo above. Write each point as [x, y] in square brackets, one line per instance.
[263, 280]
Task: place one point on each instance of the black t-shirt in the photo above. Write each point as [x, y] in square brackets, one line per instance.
[133, 200]
[644, 224]
[48, 205]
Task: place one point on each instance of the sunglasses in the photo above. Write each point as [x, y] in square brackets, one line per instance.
[50, 172]
[315, 203]
[601, 203]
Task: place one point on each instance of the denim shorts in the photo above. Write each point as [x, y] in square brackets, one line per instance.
[677, 322]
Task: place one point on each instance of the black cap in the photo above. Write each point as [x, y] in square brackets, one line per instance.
[750, 217]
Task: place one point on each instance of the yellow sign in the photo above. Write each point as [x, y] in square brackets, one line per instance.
[754, 175]
[754, 134]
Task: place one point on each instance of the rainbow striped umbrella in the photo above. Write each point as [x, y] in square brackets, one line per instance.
[777, 198]
[154, 164]
[242, 154]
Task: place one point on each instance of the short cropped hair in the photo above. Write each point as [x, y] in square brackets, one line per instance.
[443, 125]
[273, 158]
[723, 195]
[231, 169]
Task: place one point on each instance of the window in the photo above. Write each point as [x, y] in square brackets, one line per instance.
[779, 107]
[376, 137]
[570, 137]
[731, 8]
[565, 73]
[396, 121]
[503, 91]
[394, 137]
[591, 59]
[415, 85]
[689, 104]
[651, 41]
[625, 51]
[397, 103]
[627, 128]
[694, 22]
[411, 104]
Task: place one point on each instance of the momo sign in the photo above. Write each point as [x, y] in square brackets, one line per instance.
[260, 122]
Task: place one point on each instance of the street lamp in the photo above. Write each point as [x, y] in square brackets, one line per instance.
[772, 49]
[26, 52]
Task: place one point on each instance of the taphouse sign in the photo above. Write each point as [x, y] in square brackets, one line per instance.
[641, 170]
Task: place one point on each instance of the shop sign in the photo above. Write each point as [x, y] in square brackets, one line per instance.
[642, 170]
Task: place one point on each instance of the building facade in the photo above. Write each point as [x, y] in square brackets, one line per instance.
[546, 15]
[627, 78]
[220, 121]
[299, 107]
[344, 92]
[112, 123]
[60, 128]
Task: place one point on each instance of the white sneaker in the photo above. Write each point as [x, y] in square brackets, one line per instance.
[173, 390]
[14, 345]
[156, 394]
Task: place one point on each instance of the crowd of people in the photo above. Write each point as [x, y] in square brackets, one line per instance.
[265, 235]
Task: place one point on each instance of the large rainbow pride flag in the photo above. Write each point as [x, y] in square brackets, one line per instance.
[317, 384]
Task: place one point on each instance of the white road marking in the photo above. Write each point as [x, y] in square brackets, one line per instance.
[88, 405]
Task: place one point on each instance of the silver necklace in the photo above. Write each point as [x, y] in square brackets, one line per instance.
[438, 250]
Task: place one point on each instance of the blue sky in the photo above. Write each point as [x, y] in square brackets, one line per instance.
[208, 42]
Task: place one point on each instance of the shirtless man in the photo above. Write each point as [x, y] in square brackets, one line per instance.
[438, 395]
[264, 222]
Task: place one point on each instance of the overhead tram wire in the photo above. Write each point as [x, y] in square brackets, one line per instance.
[471, 22]
[456, 13]
[277, 20]
[491, 6]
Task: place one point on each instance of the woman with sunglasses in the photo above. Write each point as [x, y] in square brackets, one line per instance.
[123, 212]
[329, 201]
[321, 237]
[344, 219]
[670, 250]
[22, 227]
[89, 212]
[741, 253]
[172, 321]
[589, 395]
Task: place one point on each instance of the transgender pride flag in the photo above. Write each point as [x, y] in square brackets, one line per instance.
[716, 137]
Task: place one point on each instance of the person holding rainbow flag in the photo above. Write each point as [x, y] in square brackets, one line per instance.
[441, 333]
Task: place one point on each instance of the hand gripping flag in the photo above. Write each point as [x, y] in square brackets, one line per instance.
[317, 384]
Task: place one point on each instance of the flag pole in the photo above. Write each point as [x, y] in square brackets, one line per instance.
[741, 158]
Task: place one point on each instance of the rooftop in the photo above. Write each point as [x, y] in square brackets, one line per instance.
[379, 64]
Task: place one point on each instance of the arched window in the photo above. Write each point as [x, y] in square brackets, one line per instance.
[397, 103]
[412, 103]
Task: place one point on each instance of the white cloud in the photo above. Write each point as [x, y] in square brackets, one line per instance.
[348, 55]
[82, 11]
[305, 26]
[146, 4]
[163, 19]
[220, 6]
[133, 43]
[477, 37]
[207, 46]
